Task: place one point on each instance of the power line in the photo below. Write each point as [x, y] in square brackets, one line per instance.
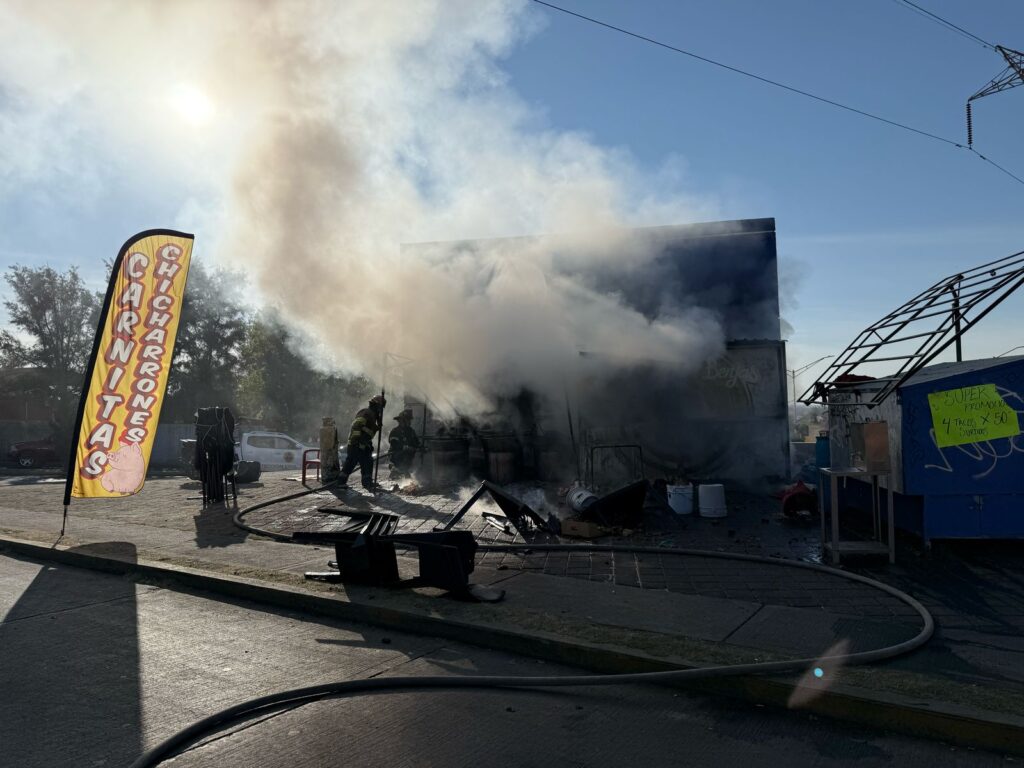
[774, 83]
[947, 24]
[743, 72]
[996, 165]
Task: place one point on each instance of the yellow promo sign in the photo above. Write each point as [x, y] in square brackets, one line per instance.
[971, 415]
[127, 375]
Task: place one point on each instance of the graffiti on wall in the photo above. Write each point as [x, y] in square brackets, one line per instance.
[843, 410]
[742, 378]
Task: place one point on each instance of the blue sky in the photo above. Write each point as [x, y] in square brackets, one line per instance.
[867, 215]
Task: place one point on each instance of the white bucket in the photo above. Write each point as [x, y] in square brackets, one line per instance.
[579, 499]
[680, 498]
[712, 501]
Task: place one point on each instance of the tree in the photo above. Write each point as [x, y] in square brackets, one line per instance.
[279, 387]
[274, 380]
[211, 333]
[57, 315]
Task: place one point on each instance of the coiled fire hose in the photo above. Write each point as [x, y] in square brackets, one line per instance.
[305, 695]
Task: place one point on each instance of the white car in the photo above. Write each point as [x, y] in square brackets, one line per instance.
[273, 450]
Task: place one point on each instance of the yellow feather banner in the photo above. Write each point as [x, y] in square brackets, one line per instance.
[127, 374]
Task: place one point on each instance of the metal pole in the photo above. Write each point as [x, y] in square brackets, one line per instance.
[380, 433]
[793, 373]
[380, 425]
[956, 323]
[423, 433]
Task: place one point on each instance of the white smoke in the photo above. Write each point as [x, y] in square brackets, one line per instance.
[326, 135]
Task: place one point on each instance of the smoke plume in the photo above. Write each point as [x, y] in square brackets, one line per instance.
[306, 142]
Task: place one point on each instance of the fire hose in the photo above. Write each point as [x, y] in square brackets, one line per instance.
[308, 694]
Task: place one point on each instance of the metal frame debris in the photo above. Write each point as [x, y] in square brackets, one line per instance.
[638, 455]
[910, 336]
[517, 512]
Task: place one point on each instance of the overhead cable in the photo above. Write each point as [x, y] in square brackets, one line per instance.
[947, 24]
[775, 83]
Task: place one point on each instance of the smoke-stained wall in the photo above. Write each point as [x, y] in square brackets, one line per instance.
[719, 415]
[727, 421]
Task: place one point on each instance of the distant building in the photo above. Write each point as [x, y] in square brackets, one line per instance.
[25, 413]
[23, 396]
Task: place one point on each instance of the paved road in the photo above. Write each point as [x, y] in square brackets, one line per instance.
[974, 590]
[94, 668]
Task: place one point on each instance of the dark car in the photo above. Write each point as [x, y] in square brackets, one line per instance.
[33, 453]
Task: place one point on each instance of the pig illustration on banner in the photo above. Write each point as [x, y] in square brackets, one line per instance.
[126, 470]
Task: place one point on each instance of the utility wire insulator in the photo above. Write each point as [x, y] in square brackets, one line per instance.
[1009, 78]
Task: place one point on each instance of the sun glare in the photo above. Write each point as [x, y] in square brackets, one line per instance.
[192, 104]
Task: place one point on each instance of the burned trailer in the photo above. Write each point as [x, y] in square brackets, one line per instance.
[951, 433]
[728, 420]
[721, 416]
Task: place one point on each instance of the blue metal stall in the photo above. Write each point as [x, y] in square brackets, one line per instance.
[968, 490]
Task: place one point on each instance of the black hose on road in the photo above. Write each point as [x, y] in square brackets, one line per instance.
[309, 694]
[237, 519]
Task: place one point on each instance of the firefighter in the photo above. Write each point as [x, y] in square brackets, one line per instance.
[404, 443]
[365, 425]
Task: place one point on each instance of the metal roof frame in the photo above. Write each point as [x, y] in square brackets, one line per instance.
[957, 303]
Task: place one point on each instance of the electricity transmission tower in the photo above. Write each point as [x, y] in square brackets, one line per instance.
[1009, 78]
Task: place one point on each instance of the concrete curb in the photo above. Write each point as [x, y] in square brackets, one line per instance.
[948, 723]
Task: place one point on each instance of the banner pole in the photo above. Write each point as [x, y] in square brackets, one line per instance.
[89, 368]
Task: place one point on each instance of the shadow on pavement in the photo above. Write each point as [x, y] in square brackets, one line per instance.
[215, 526]
[34, 480]
[69, 669]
